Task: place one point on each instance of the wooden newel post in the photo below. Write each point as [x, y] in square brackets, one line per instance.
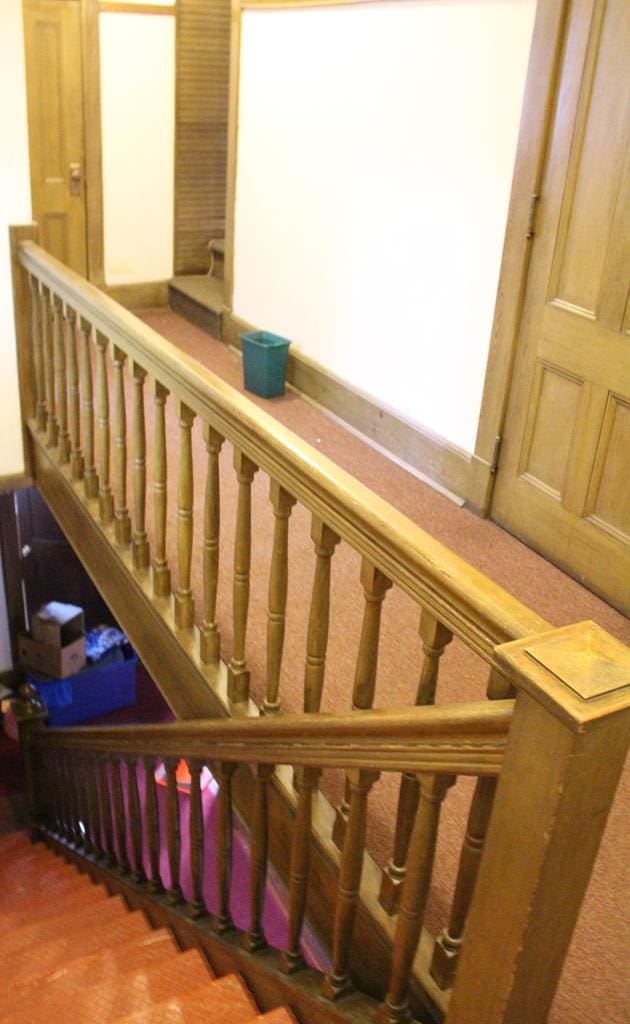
[565, 753]
[30, 713]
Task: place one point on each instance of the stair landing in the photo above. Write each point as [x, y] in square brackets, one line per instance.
[79, 953]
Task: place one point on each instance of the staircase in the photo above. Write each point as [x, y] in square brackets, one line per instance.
[200, 297]
[69, 949]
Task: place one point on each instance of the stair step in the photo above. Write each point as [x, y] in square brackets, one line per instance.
[200, 299]
[224, 1001]
[170, 977]
[40, 908]
[96, 913]
[51, 955]
[24, 896]
[101, 967]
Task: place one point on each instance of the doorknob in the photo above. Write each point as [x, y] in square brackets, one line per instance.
[75, 179]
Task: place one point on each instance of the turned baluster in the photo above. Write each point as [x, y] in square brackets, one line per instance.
[90, 478]
[122, 522]
[255, 938]
[46, 785]
[433, 789]
[74, 395]
[86, 807]
[153, 826]
[448, 944]
[375, 586]
[106, 811]
[337, 981]
[282, 503]
[56, 823]
[119, 816]
[91, 768]
[238, 673]
[38, 355]
[161, 571]
[173, 832]
[135, 818]
[64, 799]
[435, 638]
[61, 383]
[325, 541]
[75, 801]
[306, 780]
[184, 602]
[196, 906]
[222, 921]
[140, 541]
[209, 637]
[105, 497]
[49, 368]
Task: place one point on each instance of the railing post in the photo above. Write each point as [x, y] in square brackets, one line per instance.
[565, 753]
[30, 714]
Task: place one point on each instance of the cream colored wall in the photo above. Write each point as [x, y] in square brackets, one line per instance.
[375, 156]
[15, 208]
[138, 122]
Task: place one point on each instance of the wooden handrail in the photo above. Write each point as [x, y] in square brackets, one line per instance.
[465, 739]
[461, 597]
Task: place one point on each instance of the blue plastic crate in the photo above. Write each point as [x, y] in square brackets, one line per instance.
[265, 358]
[96, 690]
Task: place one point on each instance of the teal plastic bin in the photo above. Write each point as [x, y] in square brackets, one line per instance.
[264, 363]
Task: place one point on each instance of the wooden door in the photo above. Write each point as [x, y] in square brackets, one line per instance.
[52, 33]
[564, 477]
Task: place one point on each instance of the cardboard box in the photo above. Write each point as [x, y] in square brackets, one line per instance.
[107, 685]
[49, 659]
[58, 624]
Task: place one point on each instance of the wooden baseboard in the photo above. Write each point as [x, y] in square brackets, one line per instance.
[144, 295]
[436, 458]
[14, 482]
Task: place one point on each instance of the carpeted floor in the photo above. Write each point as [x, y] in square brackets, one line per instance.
[594, 984]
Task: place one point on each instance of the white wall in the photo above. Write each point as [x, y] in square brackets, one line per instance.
[138, 123]
[15, 208]
[375, 156]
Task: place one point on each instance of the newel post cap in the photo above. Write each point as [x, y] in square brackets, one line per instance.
[580, 673]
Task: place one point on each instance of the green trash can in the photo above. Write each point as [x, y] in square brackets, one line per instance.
[264, 363]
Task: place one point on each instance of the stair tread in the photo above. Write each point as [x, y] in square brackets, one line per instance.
[225, 1000]
[206, 291]
[139, 989]
[39, 910]
[111, 909]
[16, 899]
[48, 956]
[103, 965]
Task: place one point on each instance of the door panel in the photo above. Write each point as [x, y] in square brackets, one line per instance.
[52, 33]
[564, 477]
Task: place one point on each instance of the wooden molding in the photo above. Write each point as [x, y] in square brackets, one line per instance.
[119, 7]
[143, 295]
[90, 44]
[439, 460]
[528, 169]
[14, 482]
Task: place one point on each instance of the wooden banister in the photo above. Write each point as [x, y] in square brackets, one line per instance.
[460, 597]
[462, 739]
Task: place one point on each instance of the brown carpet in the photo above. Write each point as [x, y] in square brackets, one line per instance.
[594, 985]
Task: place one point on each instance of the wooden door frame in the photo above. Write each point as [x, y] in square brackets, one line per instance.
[91, 59]
[531, 153]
